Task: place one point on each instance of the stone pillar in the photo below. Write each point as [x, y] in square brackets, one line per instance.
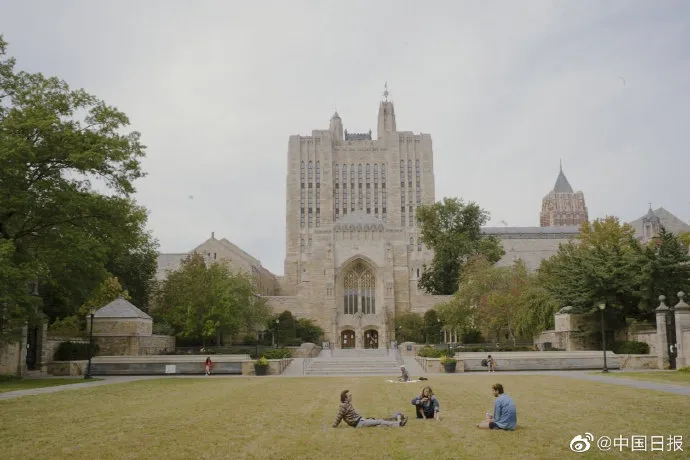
[21, 365]
[682, 312]
[661, 339]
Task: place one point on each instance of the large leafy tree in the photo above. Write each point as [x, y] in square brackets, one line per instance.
[665, 270]
[452, 228]
[602, 265]
[409, 327]
[203, 301]
[502, 301]
[54, 226]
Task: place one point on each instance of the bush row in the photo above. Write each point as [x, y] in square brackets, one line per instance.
[70, 351]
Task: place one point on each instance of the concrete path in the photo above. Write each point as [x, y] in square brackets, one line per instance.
[413, 368]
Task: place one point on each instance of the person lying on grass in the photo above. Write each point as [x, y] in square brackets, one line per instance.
[349, 414]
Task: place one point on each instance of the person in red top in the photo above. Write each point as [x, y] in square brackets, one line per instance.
[209, 365]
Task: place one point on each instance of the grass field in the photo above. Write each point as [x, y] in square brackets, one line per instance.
[674, 377]
[280, 417]
[27, 384]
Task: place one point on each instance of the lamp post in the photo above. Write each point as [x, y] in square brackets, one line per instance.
[602, 307]
[88, 366]
[276, 335]
[440, 331]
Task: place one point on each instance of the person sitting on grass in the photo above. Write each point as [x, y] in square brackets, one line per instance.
[349, 414]
[427, 405]
[405, 375]
[505, 412]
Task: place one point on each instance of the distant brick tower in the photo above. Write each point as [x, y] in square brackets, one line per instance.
[562, 207]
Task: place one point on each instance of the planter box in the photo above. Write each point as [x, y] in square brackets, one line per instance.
[260, 370]
[450, 367]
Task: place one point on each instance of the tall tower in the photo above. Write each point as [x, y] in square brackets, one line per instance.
[386, 116]
[651, 225]
[336, 127]
[562, 207]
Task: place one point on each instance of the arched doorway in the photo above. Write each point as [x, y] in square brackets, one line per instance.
[371, 338]
[347, 339]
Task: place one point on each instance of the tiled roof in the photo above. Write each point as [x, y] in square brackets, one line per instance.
[120, 308]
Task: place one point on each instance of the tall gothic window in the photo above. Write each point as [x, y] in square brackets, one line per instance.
[344, 189]
[383, 192]
[352, 188]
[318, 194]
[360, 290]
[376, 189]
[418, 181]
[302, 175]
[359, 186]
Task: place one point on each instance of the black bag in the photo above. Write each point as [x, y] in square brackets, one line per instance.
[485, 363]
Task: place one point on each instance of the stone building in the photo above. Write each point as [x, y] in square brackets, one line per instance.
[353, 249]
[562, 207]
[648, 226]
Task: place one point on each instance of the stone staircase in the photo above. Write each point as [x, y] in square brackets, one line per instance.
[355, 362]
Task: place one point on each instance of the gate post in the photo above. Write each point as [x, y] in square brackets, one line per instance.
[661, 339]
[682, 316]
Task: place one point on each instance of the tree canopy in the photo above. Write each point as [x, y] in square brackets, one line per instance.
[452, 228]
[58, 146]
[203, 301]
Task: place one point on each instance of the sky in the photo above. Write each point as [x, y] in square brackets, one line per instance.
[506, 89]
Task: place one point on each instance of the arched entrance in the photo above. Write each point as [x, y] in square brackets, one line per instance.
[347, 339]
[371, 338]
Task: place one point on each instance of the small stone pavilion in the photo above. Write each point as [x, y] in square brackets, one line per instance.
[121, 329]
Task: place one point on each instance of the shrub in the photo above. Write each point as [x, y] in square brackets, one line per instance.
[685, 369]
[69, 351]
[9, 377]
[277, 353]
[250, 339]
[163, 329]
[431, 352]
[472, 336]
[447, 360]
[261, 361]
[70, 326]
[631, 348]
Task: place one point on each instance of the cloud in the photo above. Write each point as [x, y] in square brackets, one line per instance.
[506, 90]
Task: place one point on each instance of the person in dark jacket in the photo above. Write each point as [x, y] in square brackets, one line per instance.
[427, 405]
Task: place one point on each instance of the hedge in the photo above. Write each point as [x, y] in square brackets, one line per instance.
[631, 348]
[69, 351]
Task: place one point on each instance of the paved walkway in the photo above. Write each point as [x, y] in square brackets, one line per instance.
[413, 367]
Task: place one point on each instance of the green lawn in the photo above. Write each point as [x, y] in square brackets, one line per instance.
[674, 377]
[27, 384]
[280, 417]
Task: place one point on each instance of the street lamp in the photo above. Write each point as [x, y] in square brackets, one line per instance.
[276, 335]
[602, 307]
[440, 331]
[88, 366]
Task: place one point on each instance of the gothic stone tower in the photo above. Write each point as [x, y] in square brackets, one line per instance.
[561, 207]
[353, 253]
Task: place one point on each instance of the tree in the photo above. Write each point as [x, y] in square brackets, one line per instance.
[602, 265]
[204, 302]
[665, 270]
[409, 327]
[308, 331]
[432, 326]
[453, 230]
[54, 142]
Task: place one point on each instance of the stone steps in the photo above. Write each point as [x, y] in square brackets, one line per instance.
[355, 362]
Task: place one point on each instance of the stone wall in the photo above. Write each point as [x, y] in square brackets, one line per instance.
[156, 344]
[52, 344]
[10, 357]
[121, 326]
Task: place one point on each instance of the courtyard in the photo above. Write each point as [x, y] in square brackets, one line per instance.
[282, 417]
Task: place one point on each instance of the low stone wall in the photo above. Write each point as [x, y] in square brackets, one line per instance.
[431, 365]
[165, 365]
[305, 350]
[156, 344]
[541, 360]
[67, 368]
[275, 366]
[638, 361]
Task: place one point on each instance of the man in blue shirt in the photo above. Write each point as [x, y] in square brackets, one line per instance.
[505, 413]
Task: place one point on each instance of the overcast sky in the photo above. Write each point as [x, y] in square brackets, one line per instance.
[505, 88]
